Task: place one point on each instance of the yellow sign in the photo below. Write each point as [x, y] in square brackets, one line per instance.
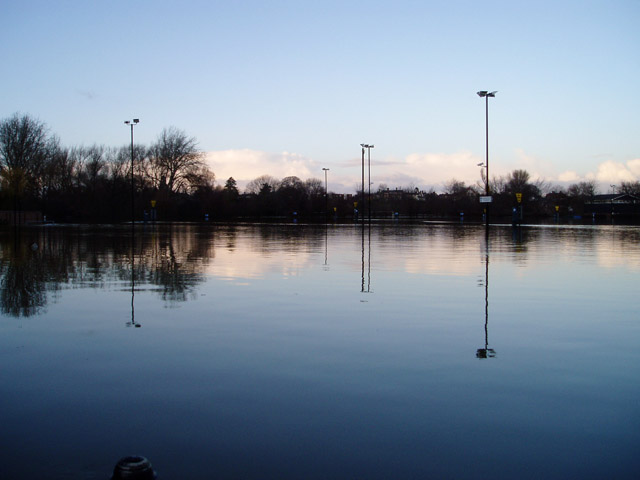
[153, 204]
[355, 204]
[519, 197]
[557, 208]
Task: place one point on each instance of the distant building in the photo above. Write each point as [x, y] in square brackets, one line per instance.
[620, 204]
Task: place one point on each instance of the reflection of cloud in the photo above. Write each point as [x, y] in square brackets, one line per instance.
[249, 260]
[615, 254]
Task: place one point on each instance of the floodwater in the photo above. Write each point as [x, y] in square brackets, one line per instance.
[304, 352]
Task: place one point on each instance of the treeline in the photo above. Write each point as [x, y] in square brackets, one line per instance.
[171, 181]
[94, 183]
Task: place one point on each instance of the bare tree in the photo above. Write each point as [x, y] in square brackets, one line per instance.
[314, 187]
[174, 161]
[631, 188]
[257, 185]
[23, 152]
[582, 189]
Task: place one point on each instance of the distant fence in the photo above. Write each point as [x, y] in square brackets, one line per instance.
[9, 217]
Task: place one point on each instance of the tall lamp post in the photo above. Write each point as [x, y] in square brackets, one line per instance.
[132, 123]
[326, 194]
[368, 147]
[486, 95]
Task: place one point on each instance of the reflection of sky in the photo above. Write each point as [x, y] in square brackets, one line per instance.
[248, 261]
[283, 360]
[428, 251]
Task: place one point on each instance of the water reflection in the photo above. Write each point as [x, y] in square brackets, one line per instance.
[24, 278]
[368, 256]
[133, 279]
[35, 263]
[486, 352]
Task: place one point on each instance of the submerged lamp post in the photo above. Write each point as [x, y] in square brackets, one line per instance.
[486, 95]
[484, 175]
[326, 194]
[132, 123]
[368, 147]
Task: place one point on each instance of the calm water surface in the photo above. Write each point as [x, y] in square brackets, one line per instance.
[296, 351]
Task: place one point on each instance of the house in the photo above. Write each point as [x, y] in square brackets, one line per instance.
[619, 204]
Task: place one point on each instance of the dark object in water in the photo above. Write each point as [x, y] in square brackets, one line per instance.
[133, 467]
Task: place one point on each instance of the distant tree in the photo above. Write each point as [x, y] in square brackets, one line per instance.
[24, 146]
[231, 188]
[631, 188]
[257, 185]
[291, 182]
[457, 188]
[266, 189]
[314, 187]
[518, 181]
[174, 161]
[582, 189]
[90, 163]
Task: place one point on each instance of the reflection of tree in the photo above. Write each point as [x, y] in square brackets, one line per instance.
[23, 283]
[42, 261]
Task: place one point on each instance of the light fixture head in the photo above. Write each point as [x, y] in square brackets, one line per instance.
[482, 93]
[137, 120]
[127, 122]
[481, 164]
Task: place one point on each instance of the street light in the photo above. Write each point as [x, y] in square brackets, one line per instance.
[483, 174]
[326, 196]
[133, 270]
[132, 123]
[368, 147]
[486, 95]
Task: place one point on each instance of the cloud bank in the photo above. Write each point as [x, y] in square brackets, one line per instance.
[423, 170]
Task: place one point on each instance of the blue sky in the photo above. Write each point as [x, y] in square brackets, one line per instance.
[287, 88]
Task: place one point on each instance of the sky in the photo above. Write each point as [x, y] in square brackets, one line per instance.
[291, 87]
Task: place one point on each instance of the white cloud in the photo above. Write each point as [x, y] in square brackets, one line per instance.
[423, 170]
[613, 172]
[435, 169]
[634, 167]
[245, 165]
[569, 177]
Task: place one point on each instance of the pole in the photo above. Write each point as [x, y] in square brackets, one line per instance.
[326, 195]
[369, 168]
[362, 203]
[487, 139]
[132, 184]
[488, 191]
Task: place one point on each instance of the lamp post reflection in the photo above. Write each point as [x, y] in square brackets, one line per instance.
[133, 285]
[131, 123]
[366, 289]
[326, 247]
[486, 352]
